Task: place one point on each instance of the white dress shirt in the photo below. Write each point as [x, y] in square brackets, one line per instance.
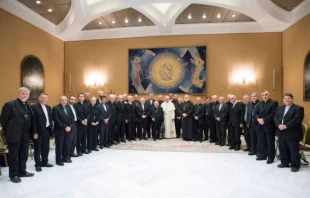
[46, 115]
[73, 110]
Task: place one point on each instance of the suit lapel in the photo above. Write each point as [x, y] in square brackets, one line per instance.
[42, 111]
[19, 107]
[289, 110]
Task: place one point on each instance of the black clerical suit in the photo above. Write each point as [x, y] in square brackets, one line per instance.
[222, 124]
[120, 121]
[74, 130]
[251, 123]
[157, 117]
[236, 118]
[266, 132]
[18, 125]
[228, 128]
[199, 111]
[209, 122]
[142, 110]
[290, 137]
[44, 124]
[150, 103]
[187, 122]
[246, 129]
[104, 112]
[93, 117]
[213, 131]
[82, 110]
[178, 119]
[112, 122]
[62, 117]
[131, 120]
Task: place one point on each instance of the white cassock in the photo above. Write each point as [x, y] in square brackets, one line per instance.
[169, 114]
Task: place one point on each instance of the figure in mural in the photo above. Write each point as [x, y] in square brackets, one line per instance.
[166, 72]
[199, 67]
[136, 71]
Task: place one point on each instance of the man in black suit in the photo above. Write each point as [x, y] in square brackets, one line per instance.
[264, 114]
[213, 131]
[157, 115]
[93, 126]
[82, 111]
[228, 129]
[142, 111]
[42, 114]
[246, 130]
[104, 112]
[178, 117]
[209, 119]
[251, 123]
[74, 130]
[112, 122]
[100, 94]
[150, 103]
[288, 120]
[63, 119]
[120, 120]
[220, 115]
[18, 124]
[160, 99]
[199, 119]
[236, 121]
[131, 119]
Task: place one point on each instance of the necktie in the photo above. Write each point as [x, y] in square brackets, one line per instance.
[143, 107]
[246, 112]
[220, 107]
[65, 110]
[104, 107]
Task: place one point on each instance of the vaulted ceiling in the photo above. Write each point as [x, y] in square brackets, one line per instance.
[72, 20]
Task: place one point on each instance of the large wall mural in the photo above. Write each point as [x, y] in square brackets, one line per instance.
[168, 70]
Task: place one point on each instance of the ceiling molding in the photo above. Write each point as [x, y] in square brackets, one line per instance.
[268, 16]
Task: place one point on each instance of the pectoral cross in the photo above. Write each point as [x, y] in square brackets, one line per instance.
[26, 116]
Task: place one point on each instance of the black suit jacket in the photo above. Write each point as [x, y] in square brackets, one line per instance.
[12, 120]
[130, 112]
[292, 120]
[222, 114]
[61, 119]
[152, 113]
[112, 107]
[148, 102]
[82, 111]
[140, 112]
[178, 110]
[103, 114]
[40, 118]
[199, 110]
[266, 110]
[121, 112]
[209, 113]
[93, 115]
[236, 114]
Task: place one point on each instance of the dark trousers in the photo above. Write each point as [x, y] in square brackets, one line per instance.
[81, 138]
[221, 133]
[73, 138]
[18, 155]
[235, 132]
[127, 130]
[156, 129]
[178, 127]
[121, 128]
[254, 146]
[247, 136]
[104, 134]
[209, 126]
[63, 146]
[93, 130]
[148, 127]
[41, 148]
[131, 130]
[142, 128]
[212, 127]
[112, 131]
[198, 130]
[289, 150]
[266, 142]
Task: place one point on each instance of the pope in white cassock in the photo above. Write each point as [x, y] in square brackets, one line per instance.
[169, 115]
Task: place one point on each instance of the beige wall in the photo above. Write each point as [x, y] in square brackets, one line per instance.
[296, 45]
[259, 53]
[19, 39]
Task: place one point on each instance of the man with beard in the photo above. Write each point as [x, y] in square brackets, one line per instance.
[19, 126]
[120, 120]
[160, 99]
[187, 119]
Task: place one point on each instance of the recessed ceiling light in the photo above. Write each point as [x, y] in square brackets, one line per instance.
[139, 19]
[50, 10]
[233, 15]
[218, 15]
[113, 21]
[204, 16]
[38, 2]
[189, 17]
[126, 20]
[100, 22]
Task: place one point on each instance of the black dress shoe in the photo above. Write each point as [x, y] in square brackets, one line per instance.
[231, 148]
[212, 141]
[85, 152]
[294, 169]
[107, 146]
[95, 150]
[223, 144]
[145, 138]
[237, 148]
[38, 169]
[124, 141]
[261, 158]
[252, 153]
[200, 141]
[269, 161]
[246, 149]
[283, 165]
[217, 143]
[75, 155]
[47, 165]
[101, 147]
[206, 139]
[80, 154]
[60, 164]
[26, 174]
[133, 139]
[15, 179]
[228, 144]
[67, 161]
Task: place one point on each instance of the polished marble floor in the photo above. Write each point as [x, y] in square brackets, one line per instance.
[147, 174]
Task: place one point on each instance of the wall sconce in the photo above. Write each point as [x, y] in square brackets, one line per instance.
[243, 78]
[95, 80]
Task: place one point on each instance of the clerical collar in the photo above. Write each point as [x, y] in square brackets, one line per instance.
[267, 101]
[21, 102]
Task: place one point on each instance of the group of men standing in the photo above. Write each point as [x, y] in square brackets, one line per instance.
[80, 126]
